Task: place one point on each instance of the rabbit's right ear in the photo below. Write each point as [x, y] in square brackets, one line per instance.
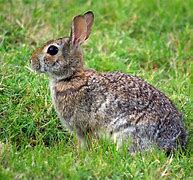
[89, 16]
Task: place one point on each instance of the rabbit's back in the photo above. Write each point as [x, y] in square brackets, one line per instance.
[118, 94]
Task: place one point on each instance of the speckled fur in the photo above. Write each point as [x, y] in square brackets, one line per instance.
[120, 106]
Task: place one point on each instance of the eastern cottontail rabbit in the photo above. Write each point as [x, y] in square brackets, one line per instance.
[120, 106]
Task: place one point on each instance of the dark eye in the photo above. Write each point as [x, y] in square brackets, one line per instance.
[52, 50]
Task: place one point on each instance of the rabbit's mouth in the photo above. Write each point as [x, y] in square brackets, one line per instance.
[35, 66]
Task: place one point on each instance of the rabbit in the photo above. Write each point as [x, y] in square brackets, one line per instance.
[122, 107]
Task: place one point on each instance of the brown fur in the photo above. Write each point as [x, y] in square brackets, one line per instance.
[115, 105]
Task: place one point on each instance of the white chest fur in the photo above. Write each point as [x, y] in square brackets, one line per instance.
[52, 92]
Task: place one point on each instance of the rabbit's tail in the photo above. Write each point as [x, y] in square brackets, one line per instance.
[172, 138]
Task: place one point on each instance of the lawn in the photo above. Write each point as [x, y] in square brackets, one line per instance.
[152, 39]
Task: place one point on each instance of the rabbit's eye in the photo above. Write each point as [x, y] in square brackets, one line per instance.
[52, 50]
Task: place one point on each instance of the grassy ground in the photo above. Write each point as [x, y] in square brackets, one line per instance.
[152, 39]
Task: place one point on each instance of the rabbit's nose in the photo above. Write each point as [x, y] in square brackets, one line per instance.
[34, 64]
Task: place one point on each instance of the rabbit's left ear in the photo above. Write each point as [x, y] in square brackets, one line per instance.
[78, 30]
[81, 28]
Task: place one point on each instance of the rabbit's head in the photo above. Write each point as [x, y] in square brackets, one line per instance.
[63, 57]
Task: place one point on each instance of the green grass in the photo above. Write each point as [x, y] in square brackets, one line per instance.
[152, 39]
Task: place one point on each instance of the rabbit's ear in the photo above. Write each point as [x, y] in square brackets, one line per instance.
[89, 17]
[78, 30]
